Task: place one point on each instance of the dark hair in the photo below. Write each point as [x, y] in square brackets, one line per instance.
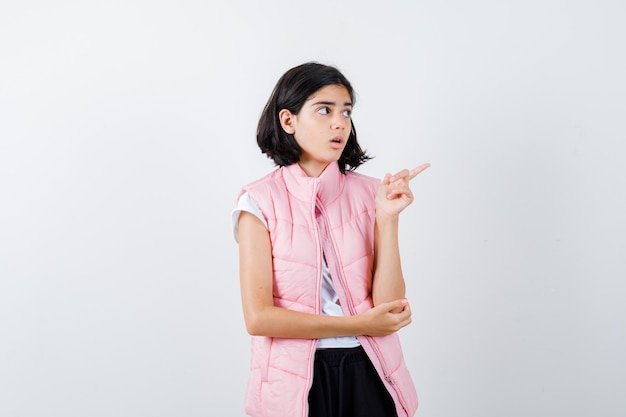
[291, 91]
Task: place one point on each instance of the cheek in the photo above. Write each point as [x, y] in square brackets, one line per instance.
[301, 140]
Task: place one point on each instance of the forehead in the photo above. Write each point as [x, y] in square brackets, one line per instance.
[333, 93]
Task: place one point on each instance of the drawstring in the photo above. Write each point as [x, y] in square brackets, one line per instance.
[341, 378]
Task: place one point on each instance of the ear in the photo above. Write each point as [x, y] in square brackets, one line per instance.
[286, 121]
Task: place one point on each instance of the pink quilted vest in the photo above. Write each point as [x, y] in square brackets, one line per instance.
[281, 369]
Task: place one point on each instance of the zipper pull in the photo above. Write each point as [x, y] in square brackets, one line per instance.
[388, 379]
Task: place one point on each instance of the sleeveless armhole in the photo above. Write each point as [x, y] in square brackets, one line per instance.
[246, 203]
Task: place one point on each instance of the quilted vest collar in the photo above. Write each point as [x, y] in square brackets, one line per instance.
[327, 187]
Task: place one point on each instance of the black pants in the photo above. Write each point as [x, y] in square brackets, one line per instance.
[346, 384]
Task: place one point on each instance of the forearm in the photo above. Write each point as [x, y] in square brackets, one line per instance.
[388, 281]
[275, 321]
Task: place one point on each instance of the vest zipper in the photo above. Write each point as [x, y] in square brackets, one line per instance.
[327, 241]
[388, 377]
[317, 299]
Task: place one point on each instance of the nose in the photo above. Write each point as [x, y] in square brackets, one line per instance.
[340, 122]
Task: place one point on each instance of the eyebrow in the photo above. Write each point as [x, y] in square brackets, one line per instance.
[332, 103]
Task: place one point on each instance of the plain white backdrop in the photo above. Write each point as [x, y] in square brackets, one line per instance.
[128, 127]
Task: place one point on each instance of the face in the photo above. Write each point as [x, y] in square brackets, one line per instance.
[321, 128]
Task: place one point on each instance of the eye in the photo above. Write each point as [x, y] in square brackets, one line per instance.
[323, 110]
[347, 113]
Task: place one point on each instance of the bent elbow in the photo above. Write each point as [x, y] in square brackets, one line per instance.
[254, 325]
[253, 330]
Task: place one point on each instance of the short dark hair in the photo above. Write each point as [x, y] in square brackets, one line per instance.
[291, 91]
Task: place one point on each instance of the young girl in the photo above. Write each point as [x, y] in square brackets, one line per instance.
[321, 282]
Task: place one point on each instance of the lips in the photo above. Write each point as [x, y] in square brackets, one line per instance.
[336, 143]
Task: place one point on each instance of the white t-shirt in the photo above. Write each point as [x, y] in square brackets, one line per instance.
[329, 298]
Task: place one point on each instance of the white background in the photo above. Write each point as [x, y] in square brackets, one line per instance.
[128, 127]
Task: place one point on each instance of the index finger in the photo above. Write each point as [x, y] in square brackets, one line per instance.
[413, 173]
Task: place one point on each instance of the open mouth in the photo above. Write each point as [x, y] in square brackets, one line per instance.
[336, 143]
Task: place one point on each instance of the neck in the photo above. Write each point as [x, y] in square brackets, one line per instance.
[312, 170]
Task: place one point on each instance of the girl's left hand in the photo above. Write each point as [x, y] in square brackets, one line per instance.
[394, 194]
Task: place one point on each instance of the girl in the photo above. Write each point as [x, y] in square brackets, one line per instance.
[321, 282]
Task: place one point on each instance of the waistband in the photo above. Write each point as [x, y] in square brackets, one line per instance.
[337, 356]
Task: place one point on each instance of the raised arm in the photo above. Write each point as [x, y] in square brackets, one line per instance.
[263, 318]
[393, 196]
